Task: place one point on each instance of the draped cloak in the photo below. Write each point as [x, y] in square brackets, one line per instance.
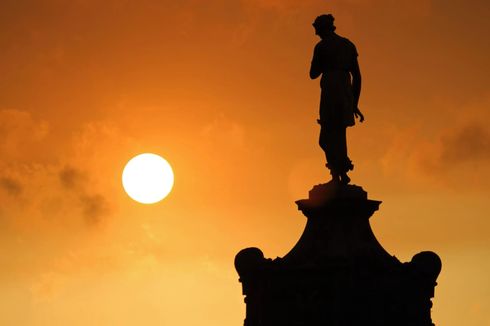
[334, 57]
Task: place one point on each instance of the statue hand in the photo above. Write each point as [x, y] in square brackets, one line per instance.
[358, 114]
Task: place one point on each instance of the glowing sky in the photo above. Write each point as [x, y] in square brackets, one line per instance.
[220, 89]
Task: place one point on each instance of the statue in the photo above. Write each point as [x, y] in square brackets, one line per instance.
[337, 273]
[335, 59]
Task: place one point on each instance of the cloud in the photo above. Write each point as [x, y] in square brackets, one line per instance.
[42, 197]
[11, 186]
[94, 208]
[451, 155]
[47, 178]
[470, 143]
[71, 178]
[445, 145]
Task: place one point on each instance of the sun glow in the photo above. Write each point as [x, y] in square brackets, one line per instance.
[147, 178]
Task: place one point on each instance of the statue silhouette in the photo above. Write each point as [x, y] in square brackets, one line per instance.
[337, 273]
[335, 59]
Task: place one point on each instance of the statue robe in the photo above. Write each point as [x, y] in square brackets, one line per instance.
[334, 58]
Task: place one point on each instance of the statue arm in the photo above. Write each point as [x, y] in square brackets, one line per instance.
[356, 88]
[356, 82]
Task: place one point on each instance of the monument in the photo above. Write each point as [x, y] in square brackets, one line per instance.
[337, 273]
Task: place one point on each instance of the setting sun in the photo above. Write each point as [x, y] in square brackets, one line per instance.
[147, 178]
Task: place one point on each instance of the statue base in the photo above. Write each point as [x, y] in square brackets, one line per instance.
[337, 274]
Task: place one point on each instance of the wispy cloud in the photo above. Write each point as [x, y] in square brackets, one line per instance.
[468, 144]
[94, 207]
[71, 178]
[11, 186]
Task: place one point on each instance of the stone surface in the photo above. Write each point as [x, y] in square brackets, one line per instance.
[337, 273]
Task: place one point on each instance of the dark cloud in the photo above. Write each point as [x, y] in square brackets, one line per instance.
[11, 186]
[71, 178]
[94, 208]
[468, 144]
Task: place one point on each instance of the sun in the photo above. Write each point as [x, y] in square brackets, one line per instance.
[147, 178]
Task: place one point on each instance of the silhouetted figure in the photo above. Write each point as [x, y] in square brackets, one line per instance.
[337, 274]
[335, 59]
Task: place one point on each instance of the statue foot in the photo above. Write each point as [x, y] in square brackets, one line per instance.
[344, 179]
[335, 178]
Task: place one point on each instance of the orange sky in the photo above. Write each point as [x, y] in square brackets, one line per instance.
[220, 88]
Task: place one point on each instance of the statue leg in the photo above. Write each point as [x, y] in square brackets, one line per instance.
[345, 164]
[333, 141]
[327, 143]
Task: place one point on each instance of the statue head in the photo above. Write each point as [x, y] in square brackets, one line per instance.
[323, 25]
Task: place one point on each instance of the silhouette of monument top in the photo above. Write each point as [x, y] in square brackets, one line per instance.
[337, 273]
[335, 60]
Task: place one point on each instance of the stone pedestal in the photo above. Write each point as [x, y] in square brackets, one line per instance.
[337, 274]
